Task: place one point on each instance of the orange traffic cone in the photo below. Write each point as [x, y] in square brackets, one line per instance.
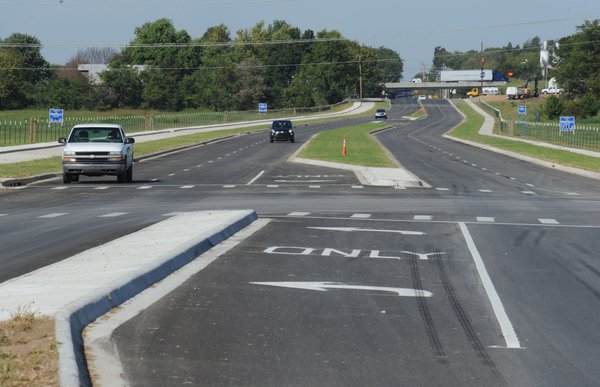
[344, 147]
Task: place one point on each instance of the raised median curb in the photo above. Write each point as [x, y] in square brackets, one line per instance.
[79, 289]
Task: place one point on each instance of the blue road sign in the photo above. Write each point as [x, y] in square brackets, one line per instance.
[482, 75]
[522, 109]
[262, 107]
[567, 124]
[56, 116]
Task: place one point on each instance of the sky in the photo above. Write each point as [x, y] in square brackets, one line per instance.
[413, 29]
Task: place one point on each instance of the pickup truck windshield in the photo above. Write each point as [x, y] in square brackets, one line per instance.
[96, 135]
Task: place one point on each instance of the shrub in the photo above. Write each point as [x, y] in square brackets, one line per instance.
[553, 108]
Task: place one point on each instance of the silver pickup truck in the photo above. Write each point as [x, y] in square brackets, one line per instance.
[97, 150]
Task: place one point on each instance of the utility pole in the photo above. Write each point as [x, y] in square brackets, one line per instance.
[482, 65]
[360, 87]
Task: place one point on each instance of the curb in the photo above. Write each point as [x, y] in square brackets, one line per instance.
[72, 319]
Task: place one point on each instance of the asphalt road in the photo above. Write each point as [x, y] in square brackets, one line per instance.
[490, 277]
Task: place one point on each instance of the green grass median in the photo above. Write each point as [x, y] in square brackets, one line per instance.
[469, 129]
[361, 148]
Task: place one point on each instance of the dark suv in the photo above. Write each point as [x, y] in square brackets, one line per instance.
[281, 130]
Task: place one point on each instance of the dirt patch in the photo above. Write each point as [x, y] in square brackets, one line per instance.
[28, 355]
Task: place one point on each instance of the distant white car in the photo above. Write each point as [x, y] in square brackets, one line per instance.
[422, 97]
[551, 90]
[416, 80]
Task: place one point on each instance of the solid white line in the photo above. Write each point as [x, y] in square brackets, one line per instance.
[255, 178]
[510, 336]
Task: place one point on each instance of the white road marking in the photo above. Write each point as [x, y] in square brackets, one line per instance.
[102, 187]
[59, 188]
[323, 286]
[573, 194]
[255, 178]
[355, 229]
[548, 221]
[145, 187]
[422, 217]
[186, 186]
[298, 213]
[361, 216]
[422, 256]
[357, 187]
[171, 174]
[229, 186]
[485, 219]
[53, 215]
[113, 214]
[442, 189]
[528, 192]
[186, 170]
[272, 186]
[529, 185]
[3, 214]
[314, 186]
[485, 190]
[508, 331]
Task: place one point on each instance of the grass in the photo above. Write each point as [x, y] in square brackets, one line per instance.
[361, 148]
[468, 130]
[28, 351]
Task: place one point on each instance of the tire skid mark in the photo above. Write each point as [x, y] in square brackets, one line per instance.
[425, 313]
[464, 319]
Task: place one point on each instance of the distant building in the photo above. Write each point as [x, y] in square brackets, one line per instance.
[93, 71]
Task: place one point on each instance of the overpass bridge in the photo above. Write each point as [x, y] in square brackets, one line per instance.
[410, 86]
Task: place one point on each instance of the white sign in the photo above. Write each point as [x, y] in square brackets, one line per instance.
[262, 107]
[56, 116]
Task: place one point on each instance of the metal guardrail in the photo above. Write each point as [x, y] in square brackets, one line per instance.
[583, 137]
[35, 130]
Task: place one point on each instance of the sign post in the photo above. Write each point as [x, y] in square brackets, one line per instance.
[522, 110]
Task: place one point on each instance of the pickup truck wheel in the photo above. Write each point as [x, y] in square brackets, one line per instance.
[121, 177]
[66, 178]
[129, 174]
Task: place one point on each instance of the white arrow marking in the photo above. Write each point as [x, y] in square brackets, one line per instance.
[323, 286]
[354, 229]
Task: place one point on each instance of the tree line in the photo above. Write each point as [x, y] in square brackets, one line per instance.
[166, 69]
[574, 62]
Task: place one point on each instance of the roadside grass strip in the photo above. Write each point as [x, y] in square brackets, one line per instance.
[469, 130]
[361, 148]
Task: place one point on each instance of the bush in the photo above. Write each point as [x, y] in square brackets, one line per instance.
[589, 105]
[553, 108]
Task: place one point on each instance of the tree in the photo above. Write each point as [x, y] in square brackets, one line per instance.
[389, 64]
[123, 86]
[36, 68]
[12, 89]
[577, 71]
